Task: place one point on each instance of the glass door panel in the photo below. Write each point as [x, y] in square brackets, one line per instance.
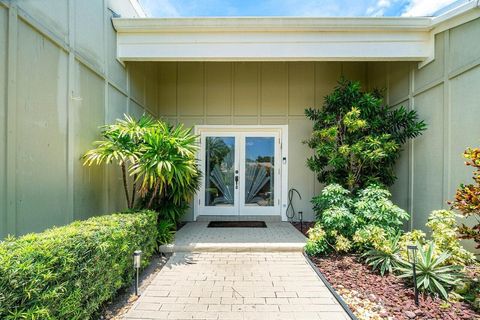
[241, 173]
[259, 171]
[219, 172]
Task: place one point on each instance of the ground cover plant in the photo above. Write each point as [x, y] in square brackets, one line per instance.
[69, 272]
[356, 138]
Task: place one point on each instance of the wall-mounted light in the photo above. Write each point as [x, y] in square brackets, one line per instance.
[137, 261]
[412, 258]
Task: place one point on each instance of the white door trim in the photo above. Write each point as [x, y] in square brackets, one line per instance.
[281, 130]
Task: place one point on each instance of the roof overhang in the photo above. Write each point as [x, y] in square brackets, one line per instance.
[284, 38]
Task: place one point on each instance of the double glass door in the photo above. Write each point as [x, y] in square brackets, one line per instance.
[241, 173]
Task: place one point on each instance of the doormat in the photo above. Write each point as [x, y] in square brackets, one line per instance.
[237, 224]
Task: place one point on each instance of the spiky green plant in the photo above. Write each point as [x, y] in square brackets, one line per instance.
[433, 275]
[384, 257]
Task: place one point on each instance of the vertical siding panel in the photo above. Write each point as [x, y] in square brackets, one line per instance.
[41, 132]
[245, 88]
[190, 89]
[3, 119]
[274, 89]
[301, 87]
[11, 181]
[218, 88]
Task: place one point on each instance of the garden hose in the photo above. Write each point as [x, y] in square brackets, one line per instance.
[290, 207]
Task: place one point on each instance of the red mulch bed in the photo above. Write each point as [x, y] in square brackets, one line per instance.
[390, 291]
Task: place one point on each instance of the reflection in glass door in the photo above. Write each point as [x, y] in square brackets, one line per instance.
[259, 168]
[219, 171]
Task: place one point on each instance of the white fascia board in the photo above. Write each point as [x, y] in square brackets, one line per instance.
[262, 46]
[285, 38]
[455, 17]
[271, 24]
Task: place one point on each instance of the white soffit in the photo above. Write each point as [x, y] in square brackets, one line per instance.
[284, 38]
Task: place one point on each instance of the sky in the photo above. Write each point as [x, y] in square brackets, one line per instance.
[322, 8]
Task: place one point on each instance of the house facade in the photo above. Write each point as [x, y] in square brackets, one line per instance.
[241, 83]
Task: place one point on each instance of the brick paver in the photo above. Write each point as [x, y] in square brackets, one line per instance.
[237, 285]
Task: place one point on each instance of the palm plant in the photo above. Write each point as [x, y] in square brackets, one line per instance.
[121, 144]
[433, 275]
[159, 157]
[167, 162]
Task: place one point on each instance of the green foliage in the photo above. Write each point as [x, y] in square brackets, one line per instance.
[413, 237]
[342, 243]
[333, 208]
[317, 241]
[370, 236]
[366, 221]
[384, 255]
[167, 163]
[433, 276]
[374, 207]
[159, 157]
[333, 195]
[444, 236]
[356, 139]
[121, 144]
[166, 232]
[467, 198]
[69, 272]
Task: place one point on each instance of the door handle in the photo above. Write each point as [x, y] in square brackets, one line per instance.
[236, 181]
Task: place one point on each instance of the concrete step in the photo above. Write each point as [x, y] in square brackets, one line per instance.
[276, 237]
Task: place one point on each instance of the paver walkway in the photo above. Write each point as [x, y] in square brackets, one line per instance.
[237, 285]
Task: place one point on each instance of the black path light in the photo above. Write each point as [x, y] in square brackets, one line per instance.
[412, 258]
[300, 215]
[137, 260]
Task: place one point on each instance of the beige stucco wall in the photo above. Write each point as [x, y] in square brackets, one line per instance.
[255, 93]
[446, 94]
[59, 81]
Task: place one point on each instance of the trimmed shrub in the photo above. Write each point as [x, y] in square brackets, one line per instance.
[69, 272]
[363, 221]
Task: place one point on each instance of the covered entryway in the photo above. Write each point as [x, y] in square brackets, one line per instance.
[244, 171]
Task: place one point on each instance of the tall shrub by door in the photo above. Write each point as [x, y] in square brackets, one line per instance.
[356, 138]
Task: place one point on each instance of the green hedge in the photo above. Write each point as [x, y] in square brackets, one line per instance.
[68, 272]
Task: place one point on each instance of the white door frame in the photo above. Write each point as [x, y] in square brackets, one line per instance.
[281, 130]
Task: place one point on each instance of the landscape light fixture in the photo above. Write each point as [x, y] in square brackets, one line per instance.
[412, 258]
[137, 260]
[300, 215]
